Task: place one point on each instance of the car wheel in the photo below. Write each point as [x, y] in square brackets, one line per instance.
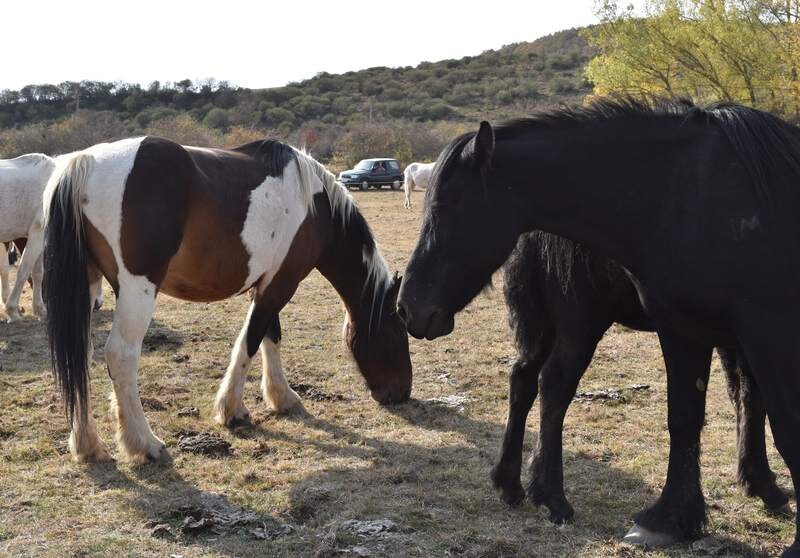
[396, 185]
[364, 186]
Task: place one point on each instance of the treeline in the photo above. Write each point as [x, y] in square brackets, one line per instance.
[411, 106]
[446, 90]
[340, 148]
[747, 51]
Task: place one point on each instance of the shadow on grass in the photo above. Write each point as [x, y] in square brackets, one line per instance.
[27, 349]
[438, 491]
[176, 510]
[446, 491]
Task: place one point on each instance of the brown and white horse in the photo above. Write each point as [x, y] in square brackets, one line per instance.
[203, 225]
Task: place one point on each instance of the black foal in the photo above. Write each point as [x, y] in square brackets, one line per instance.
[561, 300]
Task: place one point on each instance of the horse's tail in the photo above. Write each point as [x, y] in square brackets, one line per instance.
[408, 184]
[66, 284]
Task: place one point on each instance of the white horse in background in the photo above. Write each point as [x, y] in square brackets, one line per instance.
[22, 184]
[416, 174]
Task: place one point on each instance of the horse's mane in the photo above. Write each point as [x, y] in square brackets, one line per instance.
[346, 215]
[763, 142]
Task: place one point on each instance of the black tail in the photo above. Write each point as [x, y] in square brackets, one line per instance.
[66, 288]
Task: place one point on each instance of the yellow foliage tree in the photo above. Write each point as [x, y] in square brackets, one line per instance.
[729, 50]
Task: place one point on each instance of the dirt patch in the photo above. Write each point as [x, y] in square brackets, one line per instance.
[205, 444]
[308, 391]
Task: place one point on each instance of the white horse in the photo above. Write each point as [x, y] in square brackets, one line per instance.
[416, 174]
[22, 184]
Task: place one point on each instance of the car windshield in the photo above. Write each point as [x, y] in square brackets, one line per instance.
[366, 164]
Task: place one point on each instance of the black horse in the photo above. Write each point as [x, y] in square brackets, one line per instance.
[700, 207]
[561, 300]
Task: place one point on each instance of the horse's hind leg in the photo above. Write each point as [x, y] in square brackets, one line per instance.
[408, 186]
[5, 268]
[558, 383]
[773, 357]
[30, 256]
[273, 383]
[84, 443]
[38, 274]
[754, 473]
[522, 390]
[134, 310]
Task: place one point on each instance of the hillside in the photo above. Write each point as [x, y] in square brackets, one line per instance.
[496, 84]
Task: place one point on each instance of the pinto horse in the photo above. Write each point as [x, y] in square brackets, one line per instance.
[698, 205]
[561, 300]
[203, 225]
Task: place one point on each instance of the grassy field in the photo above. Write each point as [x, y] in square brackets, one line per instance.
[291, 486]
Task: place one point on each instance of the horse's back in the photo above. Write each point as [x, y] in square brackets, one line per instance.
[22, 182]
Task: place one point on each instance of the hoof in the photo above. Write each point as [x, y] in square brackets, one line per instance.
[14, 315]
[295, 410]
[510, 488]
[641, 536]
[561, 514]
[773, 497]
[561, 511]
[158, 455]
[98, 304]
[291, 405]
[781, 511]
[99, 455]
[240, 422]
[228, 419]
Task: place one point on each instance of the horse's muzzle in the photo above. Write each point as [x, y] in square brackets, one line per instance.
[426, 322]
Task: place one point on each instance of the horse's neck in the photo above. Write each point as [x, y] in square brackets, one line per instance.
[353, 264]
[588, 188]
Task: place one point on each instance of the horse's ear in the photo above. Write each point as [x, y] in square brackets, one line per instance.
[483, 148]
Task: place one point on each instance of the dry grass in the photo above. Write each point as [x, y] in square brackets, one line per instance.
[421, 465]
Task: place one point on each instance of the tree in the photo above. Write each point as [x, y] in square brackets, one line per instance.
[732, 50]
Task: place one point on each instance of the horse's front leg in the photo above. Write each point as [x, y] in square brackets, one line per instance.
[274, 386]
[679, 514]
[522, 390]
[557, 384]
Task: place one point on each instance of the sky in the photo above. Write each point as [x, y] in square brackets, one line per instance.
[257, 43]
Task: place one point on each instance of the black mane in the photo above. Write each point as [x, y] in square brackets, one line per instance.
[762, 141]
[274, 155]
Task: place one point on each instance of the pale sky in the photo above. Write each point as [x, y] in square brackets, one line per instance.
[257, 43]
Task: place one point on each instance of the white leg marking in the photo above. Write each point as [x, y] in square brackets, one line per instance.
[274, 386]
[132, 316]
[38, 304]
[229, 404]
[84, 443]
